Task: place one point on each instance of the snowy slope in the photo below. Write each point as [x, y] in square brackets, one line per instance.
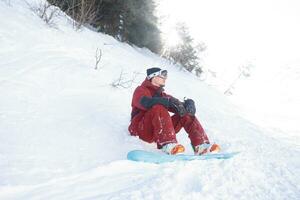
[275, 98]
[63, 127]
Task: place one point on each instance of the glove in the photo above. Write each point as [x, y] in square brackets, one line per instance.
[189, 106]
[159, 91]
[177, 106]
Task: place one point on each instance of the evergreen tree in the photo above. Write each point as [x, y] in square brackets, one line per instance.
[185, 53]
[131, 21]
[109, 17]
[140, 24]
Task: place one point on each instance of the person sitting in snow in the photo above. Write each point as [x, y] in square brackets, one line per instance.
[151, 121]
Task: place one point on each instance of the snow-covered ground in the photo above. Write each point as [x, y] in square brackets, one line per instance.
[63, 126]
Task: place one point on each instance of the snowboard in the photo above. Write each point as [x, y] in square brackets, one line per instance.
[152, 157]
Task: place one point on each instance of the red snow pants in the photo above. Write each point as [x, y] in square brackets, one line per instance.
[158, 126]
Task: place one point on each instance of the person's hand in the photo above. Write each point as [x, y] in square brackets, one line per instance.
[159, 92]
[177, 106]
[190, 107]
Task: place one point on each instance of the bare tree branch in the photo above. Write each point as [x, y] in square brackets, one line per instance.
[98, 57]
[45, 11]
[122, 82]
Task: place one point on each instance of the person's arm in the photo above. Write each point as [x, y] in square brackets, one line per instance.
[176, 106]
[148, 102]
[143, 100]
[137, 95]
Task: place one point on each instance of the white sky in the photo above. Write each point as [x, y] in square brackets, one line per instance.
[263, 32]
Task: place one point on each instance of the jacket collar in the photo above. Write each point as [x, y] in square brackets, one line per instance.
[150, 86]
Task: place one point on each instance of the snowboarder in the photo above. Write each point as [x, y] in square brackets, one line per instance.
[151, 121]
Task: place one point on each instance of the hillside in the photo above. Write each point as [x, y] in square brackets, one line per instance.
[63, 125]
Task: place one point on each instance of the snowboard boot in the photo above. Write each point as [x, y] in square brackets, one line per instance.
[173, 148]
[206, 148]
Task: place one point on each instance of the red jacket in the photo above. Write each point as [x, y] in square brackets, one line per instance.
[138, 111]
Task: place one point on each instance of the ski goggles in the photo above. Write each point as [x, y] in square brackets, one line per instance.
[161, 73]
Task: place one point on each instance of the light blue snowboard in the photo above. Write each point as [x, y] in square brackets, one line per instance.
[151, 157]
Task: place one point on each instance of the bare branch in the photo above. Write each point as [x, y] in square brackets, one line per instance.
[98, 57]
[45, 11]
[244, 71]
[84, 12]
[122, 82]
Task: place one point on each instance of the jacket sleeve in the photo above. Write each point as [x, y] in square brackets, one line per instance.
[144, 101]
[137, 95]
[148, 102]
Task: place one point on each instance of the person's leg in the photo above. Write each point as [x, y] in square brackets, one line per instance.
[193, 128]
[157, 127]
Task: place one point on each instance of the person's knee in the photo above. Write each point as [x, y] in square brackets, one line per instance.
[188, 118]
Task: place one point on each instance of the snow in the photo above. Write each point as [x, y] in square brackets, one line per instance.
[63, 127]
[261, 34]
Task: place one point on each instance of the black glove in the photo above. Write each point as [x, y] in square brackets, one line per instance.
[148, 102]
[159, 92]
[190, 107]
[177, 106]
